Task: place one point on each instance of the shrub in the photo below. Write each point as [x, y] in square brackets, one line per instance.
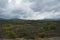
[52, 27]
[46, 28]
[11, 34]
[22, 35]
[42, 35]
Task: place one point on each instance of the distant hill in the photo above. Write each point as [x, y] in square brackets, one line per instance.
[58, 19]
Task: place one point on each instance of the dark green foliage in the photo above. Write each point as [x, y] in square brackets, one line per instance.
[52, 28]
[46, 28]
[11, 34]
[42, 35]
[22, 35]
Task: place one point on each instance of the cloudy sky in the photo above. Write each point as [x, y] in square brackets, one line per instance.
[30, 9]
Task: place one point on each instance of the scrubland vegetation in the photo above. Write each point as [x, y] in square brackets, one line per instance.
[29, 29]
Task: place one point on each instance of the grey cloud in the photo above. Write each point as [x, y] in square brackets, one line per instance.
[30, 9]
[46, 6]
[3, 3]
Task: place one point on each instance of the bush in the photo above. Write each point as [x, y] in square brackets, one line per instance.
[11, 34]
[22, 35]
[42, 35]
[52, 28]
[46, 28]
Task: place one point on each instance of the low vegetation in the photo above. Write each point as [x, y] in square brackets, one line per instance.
[29, 29]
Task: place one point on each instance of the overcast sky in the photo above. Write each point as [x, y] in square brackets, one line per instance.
[30, 9]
